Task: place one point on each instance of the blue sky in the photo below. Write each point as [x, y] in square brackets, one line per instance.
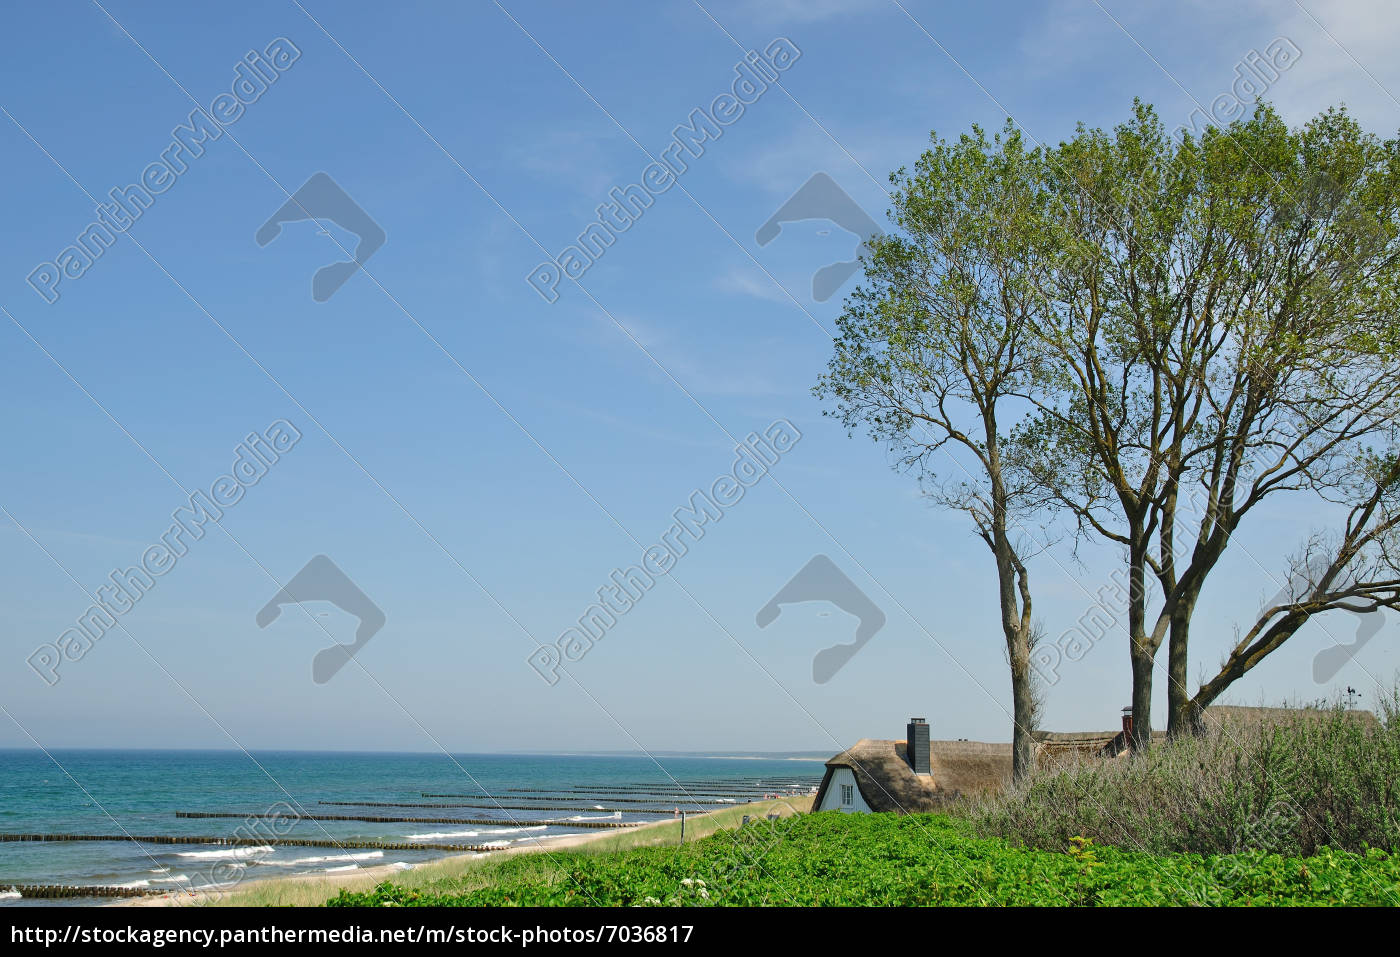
[477, 459]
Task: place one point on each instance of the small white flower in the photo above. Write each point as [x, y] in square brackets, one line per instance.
[687, 881]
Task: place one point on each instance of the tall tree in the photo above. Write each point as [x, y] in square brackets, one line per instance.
[1222, 330]
[937, 346]
[1133, 294]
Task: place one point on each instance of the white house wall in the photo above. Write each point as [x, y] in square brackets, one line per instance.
[831, 801]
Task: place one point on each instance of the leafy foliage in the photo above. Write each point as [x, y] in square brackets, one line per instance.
[834, 859]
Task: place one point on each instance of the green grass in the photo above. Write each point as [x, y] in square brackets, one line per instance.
[883, 860]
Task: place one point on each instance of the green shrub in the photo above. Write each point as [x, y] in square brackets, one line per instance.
[1320, 778]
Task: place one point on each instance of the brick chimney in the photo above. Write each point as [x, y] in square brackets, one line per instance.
[916, 745]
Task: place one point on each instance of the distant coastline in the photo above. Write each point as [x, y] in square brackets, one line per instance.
[699, 755]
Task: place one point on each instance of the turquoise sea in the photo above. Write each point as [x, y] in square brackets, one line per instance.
[138, 793]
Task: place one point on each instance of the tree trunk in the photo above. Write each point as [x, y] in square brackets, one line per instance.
[1241, 661]
[1023, 708]
[1179, 720]
[1142, 662]
[1014, 596]
[1141, 652]
[1205, 697]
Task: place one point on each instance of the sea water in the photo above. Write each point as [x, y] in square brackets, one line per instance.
[137, 793]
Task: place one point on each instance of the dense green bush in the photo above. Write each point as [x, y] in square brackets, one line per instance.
[1320, 778]
[880, 859]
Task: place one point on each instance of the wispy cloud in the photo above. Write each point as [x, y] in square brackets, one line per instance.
[702, 367]
[750, 282]
[1330, 34]
[1346, 47]
[582, 160]
[808, 11]
[1065, 36]
[782, 164]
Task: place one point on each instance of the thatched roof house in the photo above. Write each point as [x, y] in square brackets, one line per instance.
[878, 775]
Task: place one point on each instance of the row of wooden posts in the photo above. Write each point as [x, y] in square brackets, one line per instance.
[251, 841]
[54, 891]
[414, 820]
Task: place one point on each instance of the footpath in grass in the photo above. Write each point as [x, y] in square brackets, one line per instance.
[831, 859]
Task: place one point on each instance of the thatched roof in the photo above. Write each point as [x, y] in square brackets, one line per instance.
[969, 767]
[1056, 744]
[1232, 715]
[1058, 741]
[888, 783]
[1054, 748]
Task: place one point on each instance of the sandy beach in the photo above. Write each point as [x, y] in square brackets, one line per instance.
[365, 877]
